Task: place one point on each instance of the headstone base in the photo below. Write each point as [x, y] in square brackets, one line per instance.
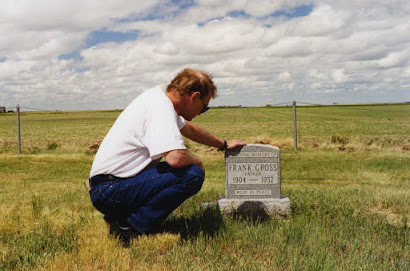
[279, 208]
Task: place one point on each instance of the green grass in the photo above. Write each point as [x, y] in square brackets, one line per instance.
[348, 184]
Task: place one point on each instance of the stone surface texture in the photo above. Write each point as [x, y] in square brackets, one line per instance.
[253, 182]
[279, 208]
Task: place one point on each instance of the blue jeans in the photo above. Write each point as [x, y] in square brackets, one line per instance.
[146, 200]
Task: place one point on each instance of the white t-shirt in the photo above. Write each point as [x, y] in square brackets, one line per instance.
[145, 130]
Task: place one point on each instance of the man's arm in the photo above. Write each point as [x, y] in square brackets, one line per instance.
[200, 135]
[182, 158]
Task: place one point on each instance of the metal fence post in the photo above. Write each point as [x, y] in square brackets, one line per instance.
[18, 129]
[295, 132]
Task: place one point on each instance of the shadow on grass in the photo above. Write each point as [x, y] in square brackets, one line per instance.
[207, 221]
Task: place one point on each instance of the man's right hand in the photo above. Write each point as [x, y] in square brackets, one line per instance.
[232, 144]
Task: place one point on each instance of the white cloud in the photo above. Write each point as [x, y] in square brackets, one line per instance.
[323, 21]
[339, 75]
[168, 48]
[316, 74]
[284, 76]
[345, 50]
[394, 59]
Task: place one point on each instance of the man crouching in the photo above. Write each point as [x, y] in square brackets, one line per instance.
[127, 182]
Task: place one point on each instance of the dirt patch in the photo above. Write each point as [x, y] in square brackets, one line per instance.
[339, 139]
[264, 139]
[347, 149]
[94, 148]
[392, 216]
[406, 148]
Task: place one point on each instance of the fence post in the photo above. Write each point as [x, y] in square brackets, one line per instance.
[295, 132]
[18, 129]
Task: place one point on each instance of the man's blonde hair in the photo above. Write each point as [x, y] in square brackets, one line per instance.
[189, 80]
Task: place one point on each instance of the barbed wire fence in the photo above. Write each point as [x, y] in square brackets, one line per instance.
[295, 137]
[282, 104]
[18, 110]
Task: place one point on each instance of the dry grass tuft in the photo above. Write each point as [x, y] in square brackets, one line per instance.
[266, 139]
[159, 242]
[391, 215]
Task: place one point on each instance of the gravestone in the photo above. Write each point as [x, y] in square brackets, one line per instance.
[253, 182]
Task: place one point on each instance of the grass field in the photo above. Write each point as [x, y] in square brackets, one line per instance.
[349, 186]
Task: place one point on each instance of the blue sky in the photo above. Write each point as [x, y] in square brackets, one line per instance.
[103, 35]
[72, 55]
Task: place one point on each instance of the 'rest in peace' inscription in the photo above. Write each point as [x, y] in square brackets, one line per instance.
[252, 172]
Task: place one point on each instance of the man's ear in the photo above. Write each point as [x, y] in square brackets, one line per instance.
[195, 95]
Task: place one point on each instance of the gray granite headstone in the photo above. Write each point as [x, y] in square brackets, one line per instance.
[252, 172]
[253, 182]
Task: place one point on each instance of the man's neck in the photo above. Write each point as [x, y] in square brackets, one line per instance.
[176, 99]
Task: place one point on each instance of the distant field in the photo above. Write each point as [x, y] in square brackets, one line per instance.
[348, 183]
